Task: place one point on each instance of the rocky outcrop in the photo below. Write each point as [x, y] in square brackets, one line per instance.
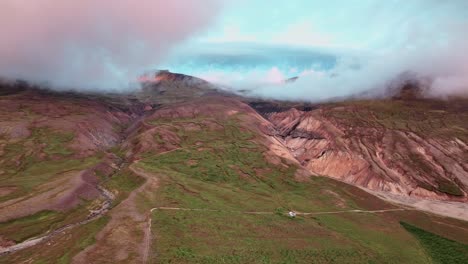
[375, 156]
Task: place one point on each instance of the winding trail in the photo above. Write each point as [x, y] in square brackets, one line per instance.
[119, 241]
[152, 183]
[297, 213]
[147, 240]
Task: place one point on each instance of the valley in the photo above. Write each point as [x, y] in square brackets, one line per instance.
[234, 171]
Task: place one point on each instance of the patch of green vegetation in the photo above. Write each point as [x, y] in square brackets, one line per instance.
[20, 154]
[173, 121]
[55, 142]
[283, 256]
[38, 159]
[23, 228]
[383, 238]
[217, 157]
[223, 237]
[118, 151]
[440, 249]
[30, 177]
[426, 186]
[420, 163]
[449, 188]
[62, 248]
[442, 185]
[158, 139]
[87, 238]
[41, 139]
[40, 223]
[123, 183]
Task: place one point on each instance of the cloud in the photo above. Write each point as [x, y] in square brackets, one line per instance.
[94, 44]
[354, 74]
[339, 48]
[302, 33]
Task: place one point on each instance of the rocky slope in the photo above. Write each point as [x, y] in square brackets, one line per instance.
[416, 147]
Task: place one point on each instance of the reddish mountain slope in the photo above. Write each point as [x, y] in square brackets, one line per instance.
[417, 148]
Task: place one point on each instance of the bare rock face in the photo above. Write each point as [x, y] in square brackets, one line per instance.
[383, 148]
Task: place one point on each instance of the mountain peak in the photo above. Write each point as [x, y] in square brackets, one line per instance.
[160, 76]
[163, 86]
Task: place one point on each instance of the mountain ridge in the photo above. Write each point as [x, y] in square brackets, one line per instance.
[309, 126]
[68, 157]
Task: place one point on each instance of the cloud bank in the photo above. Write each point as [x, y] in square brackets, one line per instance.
[338, 48]
[91, 44]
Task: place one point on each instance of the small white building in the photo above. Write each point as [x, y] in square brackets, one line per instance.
[292, 214]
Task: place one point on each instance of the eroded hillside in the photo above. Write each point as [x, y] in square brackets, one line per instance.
[206, 179]
[415, 148]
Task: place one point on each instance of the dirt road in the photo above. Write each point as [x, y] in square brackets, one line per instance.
[122, 239]
[297, 213]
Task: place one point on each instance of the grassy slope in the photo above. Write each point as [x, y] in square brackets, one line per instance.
[431, 117]
[225, 170]
[21, 229]
[32, 173]
[63, 247]
[441, 250]
[26, 165]
[122, 184]
[24, 169]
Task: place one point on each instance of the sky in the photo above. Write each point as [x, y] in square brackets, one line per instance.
[94, 45]
[338, 48]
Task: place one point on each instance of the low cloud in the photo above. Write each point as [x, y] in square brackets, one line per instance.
[442, 66]
[91, 44]
[326, 75]
[344, 53]
[354, 73]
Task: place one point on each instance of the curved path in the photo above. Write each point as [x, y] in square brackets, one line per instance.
[297, 213]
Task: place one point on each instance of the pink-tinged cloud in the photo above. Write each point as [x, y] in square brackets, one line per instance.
[94, 44]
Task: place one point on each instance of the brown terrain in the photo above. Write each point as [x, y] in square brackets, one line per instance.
[415, 148]
[73, 153]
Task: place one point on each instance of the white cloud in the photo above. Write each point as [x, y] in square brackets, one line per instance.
[302, 33]
[89, 44]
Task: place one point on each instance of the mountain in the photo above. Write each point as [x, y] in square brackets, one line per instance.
[182, 172]
[291, 80]
[165, 87]
[408, 148]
